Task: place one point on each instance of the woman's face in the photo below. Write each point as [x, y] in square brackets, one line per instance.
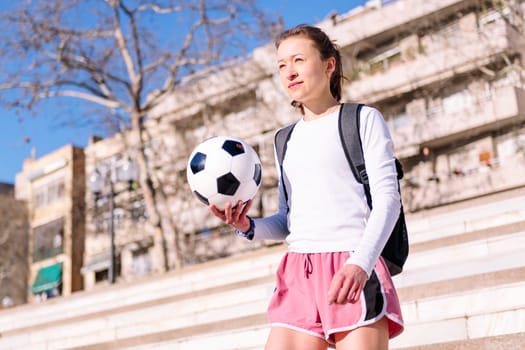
[304, 75]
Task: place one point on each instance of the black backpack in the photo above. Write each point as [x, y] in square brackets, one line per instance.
[395, 251]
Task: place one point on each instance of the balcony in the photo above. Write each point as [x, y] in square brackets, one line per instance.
[506, 105]
[472, 183]
[391, 18]
[444, 55]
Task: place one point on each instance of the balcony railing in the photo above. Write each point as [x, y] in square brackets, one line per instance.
[505, 105]
[455, 53]
[356, 27]
[471, 183]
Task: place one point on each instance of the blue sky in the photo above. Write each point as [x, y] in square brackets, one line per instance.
[43, 134]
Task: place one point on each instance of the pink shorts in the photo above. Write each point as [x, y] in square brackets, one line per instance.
[300, 298]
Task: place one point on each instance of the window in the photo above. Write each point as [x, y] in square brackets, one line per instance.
[465, 160]
[384, 60]
[434, 111]
[494, 16]
[511, 77]
[101, 275]
[400, 120]
[49, 193]
[397, 117]
[456, 102]
[487, 92]
[48, 240]
[138, 211]
[141, 264]
[448, 29]
[103, 220]
[509, 147]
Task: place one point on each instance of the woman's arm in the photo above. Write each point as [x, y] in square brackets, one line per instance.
[380, 165]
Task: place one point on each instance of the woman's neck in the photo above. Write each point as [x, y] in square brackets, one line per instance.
[312, 112]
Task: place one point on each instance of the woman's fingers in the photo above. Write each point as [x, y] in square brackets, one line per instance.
[218, 213]
[347, 285]
[338, 289]
[245, 208]
[233, 215]
[333, 291]
[237, 212]
[354, 293]
[228, 213]
[343, 292]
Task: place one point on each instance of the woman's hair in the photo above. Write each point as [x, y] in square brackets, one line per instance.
[326, 48]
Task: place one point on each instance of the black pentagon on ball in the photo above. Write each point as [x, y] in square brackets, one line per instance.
[233, 147]
[201, 198]
[227, 184]
[257, 174]
[197, 162]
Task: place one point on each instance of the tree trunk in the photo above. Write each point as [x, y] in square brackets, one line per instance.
[148, 191]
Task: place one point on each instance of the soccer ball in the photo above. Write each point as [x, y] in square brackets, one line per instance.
[224, 169]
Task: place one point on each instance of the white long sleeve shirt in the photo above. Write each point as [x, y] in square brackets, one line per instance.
[328, 211]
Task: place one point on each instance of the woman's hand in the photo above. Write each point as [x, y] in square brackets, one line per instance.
[347, 284]
[234, 216]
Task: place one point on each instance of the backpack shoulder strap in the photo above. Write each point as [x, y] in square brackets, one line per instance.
[281, 141]
[349, 124]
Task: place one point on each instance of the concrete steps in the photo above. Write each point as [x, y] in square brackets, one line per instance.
[249, 338]
[432, 320]
[463, 284]
[473, 314]
[480, 214]
[203, 279]
[503, 342]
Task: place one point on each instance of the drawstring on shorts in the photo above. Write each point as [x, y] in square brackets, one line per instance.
[308, 266]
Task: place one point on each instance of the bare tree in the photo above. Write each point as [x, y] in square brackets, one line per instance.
[124, 57]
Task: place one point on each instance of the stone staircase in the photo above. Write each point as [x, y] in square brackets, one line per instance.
[463, 288]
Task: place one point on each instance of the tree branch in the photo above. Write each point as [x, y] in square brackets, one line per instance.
[87, 97]
[138, 82]
[121, 43]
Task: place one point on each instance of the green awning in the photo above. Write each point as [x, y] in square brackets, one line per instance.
[47, 278]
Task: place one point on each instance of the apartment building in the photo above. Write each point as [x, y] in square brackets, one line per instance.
[447, 76]
[118, 240]
[53, 187]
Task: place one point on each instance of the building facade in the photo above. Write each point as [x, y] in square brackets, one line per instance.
[53, 187]
[448, 76]
[117, 212]
[449, 80]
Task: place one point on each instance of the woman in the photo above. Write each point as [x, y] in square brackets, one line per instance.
[333, 288]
